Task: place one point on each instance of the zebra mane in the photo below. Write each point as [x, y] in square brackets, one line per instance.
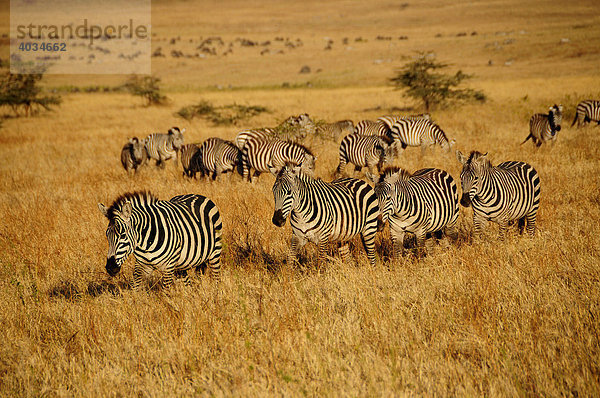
[140, 197]
[390, 171]
[476, 156]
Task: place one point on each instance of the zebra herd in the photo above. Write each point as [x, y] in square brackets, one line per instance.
[185, 231]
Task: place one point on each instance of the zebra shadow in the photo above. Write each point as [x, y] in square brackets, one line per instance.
[70, 291]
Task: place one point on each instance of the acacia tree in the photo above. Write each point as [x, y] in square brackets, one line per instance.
[21, 91]
[148, 88]
[421, 82]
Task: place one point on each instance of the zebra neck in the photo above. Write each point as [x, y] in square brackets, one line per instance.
[304, 195]
[406, 203]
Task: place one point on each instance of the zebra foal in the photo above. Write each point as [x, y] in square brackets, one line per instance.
[134, 154]
[420, 203]
[173, 235]
[502, 194]
[322, 212]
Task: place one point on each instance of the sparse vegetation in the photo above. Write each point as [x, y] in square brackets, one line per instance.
[420, 82]
[148, 88]
[225, 115]
[21, 92]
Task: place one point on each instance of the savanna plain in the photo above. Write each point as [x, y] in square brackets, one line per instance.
[518, 317]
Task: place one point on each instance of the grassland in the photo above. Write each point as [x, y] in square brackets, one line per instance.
[518, 317]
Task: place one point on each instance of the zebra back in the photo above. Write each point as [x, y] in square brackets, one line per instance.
[333, 131]
[369, 127]
[419, 132]
[261, 155]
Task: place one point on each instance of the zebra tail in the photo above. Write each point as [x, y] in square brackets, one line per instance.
[574, 120]
[527, 139]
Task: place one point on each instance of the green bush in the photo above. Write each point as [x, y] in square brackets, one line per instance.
[21, 91]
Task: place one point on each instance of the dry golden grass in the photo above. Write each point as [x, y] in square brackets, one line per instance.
[518, 317]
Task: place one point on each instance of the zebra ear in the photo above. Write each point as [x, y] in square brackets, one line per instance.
[103, 209]
[461, 158]
[126, 210]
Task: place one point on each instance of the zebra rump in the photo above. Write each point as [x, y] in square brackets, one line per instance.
[419, 132]
[587, 111]
[173, 236]
[216, 156]
[186, 153]
[365, 151]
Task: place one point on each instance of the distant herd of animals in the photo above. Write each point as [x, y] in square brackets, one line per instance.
[183, 233]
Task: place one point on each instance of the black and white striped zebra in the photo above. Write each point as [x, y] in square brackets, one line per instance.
[365, 151]
[419, 132]
[264, 134]
[260, 155]
[502, 194]
[322, 212]
[134, 154]
[162, 147]
[333, 131]
[186, 153]
[216, 156]
[421, 203]
[172, 236]
[587, 111]
[370, 127]
[544, 127]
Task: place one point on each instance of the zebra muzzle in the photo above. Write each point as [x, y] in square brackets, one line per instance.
[278, 218]
[465, 200]
[112, 267]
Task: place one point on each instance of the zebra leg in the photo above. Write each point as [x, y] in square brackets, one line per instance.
[344, 251]
[139, 271]
[478, 225]
[531, 222]
[185, 275]
[369, 245]
[521, 224]
[295, 245]
[502, 227]
[341, 168]
[420, 245]
[322, 251]
[168, 276]
[214, 263]
[397, 244]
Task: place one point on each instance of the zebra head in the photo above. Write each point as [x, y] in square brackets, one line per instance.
[284, 192]
[555, 117]
[386, 190]
[176, 137]
[473, 167]
[121, 236]
[138, 147]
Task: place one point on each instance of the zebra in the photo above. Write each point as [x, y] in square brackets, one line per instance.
[173, 236]
[365, 151]
[333, 131]
[543, 127]
[186, 153]
[420, 203]
[260, 154]
[370, 127]
[134, 154]
[261, 134]
[391, 119]
[323, 212]
[296, 128]
[162, 147]
[419, 132]
[217, 156]
[503, 193]
[587, 111]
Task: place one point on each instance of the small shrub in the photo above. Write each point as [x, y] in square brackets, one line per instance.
[21, 91]
[148, 88]
[225, 115]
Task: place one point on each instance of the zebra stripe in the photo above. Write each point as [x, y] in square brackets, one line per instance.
[503, 193]
[323, 212]
[420, 203]
[419, 132]
[333, 131]
[260, 134]
[186, 153]
[364, 151]
[587, 111]
[544, 127]
[260, 155]
[173, 236]
[162, 147]
[134, 154]
[391, 119]
[369, 127]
